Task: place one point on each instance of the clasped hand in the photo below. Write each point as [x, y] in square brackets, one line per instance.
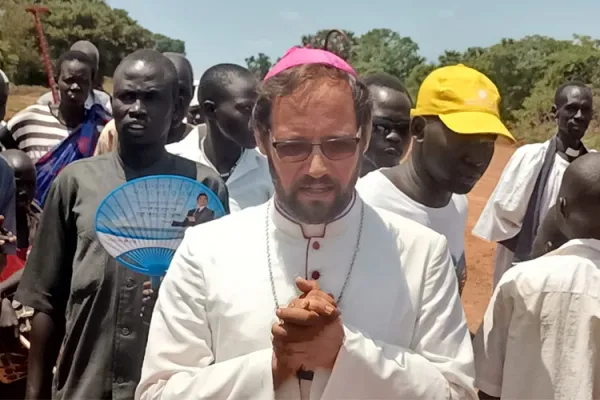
[309, 333]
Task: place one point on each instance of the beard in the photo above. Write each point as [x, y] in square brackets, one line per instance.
[313, 212]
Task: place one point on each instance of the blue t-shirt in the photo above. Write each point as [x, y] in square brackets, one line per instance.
[7, 204]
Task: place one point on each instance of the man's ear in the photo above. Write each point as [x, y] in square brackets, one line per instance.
[178, 111]
[417, 128]
[209, 108]
[365, 137]
[562, 207]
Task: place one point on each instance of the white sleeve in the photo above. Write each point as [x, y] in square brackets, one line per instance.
[502, 217]
[439, 364]
[490, 341]
[179, 362]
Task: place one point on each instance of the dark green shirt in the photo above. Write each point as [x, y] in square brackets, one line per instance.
[70, 277]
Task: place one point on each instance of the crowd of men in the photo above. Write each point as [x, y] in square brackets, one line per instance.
[337, 273]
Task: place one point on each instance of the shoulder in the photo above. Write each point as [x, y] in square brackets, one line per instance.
[45, 99]
[408, 233]
[461, 202]
[80, 169]
[566, 273]
[370, 186]
[225, 229]
[33, 112]
[528, 151]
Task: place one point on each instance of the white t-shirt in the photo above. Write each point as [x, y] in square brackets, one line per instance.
[377, 190]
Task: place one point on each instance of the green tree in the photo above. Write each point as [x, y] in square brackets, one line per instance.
[259, 65]
[166, 44]
[383, 50]
[337, 43]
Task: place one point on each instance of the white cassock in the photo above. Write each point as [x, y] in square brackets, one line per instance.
[503, 215]
[405, 330]
[541, 332]
[250, 183]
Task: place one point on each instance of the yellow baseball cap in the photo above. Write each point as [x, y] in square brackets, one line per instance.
[464, 99]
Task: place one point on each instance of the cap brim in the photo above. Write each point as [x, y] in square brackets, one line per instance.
[473, 123]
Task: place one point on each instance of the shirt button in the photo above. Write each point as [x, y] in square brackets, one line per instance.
[129, 283]
[316, 275]
[316, 245]
[125, 331]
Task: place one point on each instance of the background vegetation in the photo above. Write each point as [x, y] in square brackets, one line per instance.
[526, 70]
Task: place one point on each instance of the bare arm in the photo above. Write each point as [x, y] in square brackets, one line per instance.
[46, 337]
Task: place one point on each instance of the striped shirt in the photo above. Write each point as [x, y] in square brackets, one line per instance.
[36, 130]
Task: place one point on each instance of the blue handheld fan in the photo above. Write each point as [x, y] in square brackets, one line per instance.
[142, 222]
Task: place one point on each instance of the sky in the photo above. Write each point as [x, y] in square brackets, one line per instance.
[229, 31]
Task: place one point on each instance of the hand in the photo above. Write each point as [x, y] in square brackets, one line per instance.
[9, 322]
[191, 219]
[5, 236]
[148, 301]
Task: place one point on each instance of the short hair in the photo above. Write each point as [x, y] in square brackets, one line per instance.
[74, 55]
[186, 74]
[287, 81]
[217, 77]
[385, 80]
[573, 83]
[154, 57]
[89, 49]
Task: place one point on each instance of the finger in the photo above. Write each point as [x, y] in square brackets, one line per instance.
[320, 295]
[148, 292]
[147, 285]
[298, 303]
[287, 333]
[298, 316]
[322, 307]
[306, 285]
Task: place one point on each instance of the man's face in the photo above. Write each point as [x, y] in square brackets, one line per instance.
[143, 104]
[456, 162]
[74, 83]
[202, 201]
[391, 121]
[574, 112]
[234, 110]
[314, 190]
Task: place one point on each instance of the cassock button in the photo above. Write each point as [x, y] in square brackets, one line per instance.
[316, 275]
[316, 245]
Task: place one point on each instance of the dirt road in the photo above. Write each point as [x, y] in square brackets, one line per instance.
[480, 254]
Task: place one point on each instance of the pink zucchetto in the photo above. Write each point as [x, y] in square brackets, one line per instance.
[304, 55]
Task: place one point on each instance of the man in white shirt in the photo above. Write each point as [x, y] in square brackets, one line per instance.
[541, 333]
[98, 96]
[225, 142]
[221, 328]
[530, 181]
[453, 145]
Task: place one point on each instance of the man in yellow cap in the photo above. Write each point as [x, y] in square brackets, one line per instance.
[454, 126]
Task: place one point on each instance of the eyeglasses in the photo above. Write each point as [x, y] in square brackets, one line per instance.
[299, 150]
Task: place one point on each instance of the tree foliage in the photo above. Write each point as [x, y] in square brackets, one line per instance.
[259, 65]
[113, 31]
[526, 71]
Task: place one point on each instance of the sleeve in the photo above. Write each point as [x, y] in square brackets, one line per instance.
[491, 338]
[7, 204]
[179, 361]
[439, 364]
[45, 285]
[502, 216]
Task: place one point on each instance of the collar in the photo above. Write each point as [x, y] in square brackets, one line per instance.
[246, 163]
[578, 247]
[287, 224]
